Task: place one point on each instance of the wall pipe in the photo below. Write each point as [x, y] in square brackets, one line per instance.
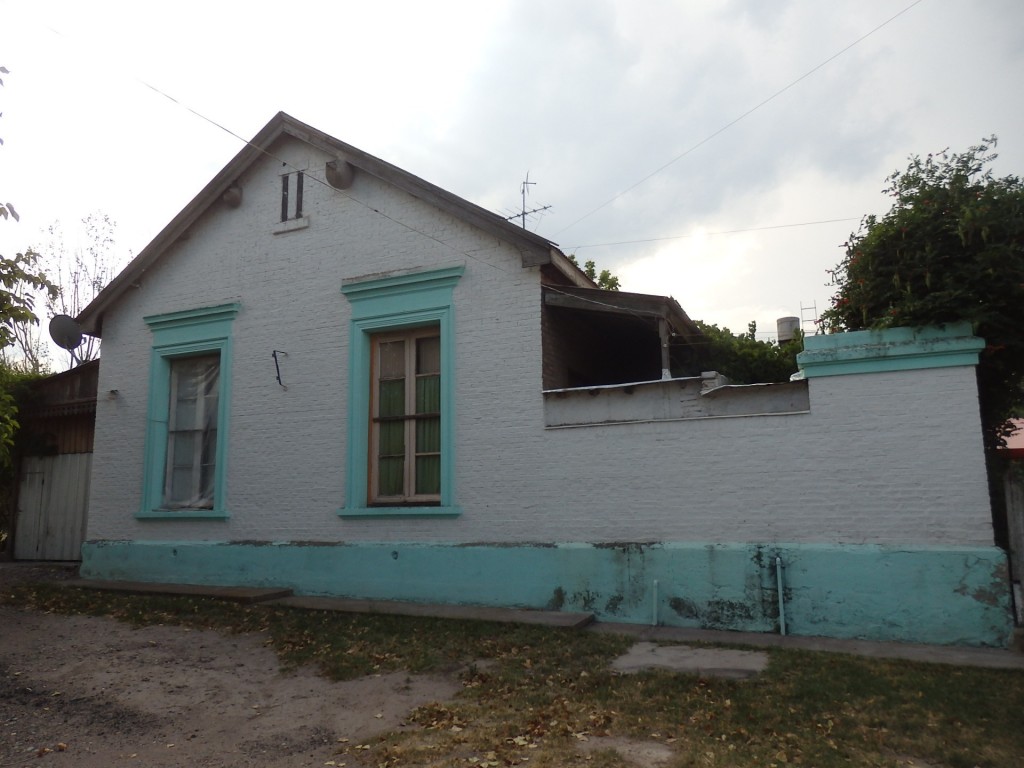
[654, 605]
[782, 599]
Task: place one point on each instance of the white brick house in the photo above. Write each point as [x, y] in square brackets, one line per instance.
[330, 375]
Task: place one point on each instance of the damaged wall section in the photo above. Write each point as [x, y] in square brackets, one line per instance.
[914, 594]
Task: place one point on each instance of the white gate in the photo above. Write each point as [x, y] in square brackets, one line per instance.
[53, 500]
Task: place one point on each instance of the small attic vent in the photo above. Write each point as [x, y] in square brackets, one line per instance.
[291, 196]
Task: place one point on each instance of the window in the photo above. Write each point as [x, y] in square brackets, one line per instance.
[286, 204]
[401, 425]
[192, 433]
[292, 216]
[405, 442]
[189, 398]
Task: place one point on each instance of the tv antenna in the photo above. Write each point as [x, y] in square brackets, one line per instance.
[524, 189]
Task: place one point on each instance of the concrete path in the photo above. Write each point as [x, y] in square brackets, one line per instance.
[564, 619]
[705, 662]
[282, 596]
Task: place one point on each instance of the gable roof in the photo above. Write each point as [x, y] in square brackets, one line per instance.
[534, 249]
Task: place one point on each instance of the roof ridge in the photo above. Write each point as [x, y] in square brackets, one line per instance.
[534, 249]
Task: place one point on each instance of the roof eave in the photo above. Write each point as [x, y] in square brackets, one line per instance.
[90, 318]
[637, 304]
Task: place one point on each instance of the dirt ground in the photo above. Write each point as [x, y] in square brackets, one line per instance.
[91, 693]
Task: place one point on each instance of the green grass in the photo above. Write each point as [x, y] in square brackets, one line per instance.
[533, 696]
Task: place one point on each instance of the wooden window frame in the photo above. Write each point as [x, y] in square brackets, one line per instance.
[410, 418]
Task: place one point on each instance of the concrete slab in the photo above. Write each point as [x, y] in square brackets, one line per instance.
[281, 596]
[235, 594]
[562, 619]
[704, 662]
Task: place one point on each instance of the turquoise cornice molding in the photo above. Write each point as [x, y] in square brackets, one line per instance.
[167, 328]
[394, 294]
[889, 349]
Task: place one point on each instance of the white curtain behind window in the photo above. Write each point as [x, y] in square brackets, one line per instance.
[192, 433]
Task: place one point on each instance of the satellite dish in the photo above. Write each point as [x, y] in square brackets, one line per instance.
[65, 332]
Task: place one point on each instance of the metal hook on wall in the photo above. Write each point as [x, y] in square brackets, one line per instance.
[277, 366]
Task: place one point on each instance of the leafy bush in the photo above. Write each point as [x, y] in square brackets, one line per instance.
[744, 359]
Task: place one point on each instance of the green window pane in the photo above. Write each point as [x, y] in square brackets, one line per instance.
[407, 384]
[428, 394]
[392, 439]
[392, 476]
[428, 474]
[428, 435]
[391, 398]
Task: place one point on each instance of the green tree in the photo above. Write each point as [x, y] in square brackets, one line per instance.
[17, 305]
[744, 359]
[6, 209]
[80, 272]
[950, 249]
[604, 279]
[20, 277]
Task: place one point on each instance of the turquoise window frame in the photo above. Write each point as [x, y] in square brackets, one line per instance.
[390, 304]
[184, 334]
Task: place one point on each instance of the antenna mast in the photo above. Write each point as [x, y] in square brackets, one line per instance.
[523, 191]
[523, 188]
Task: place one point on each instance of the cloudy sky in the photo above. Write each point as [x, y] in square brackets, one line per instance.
[693, 147]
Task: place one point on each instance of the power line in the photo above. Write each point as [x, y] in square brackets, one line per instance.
[323, 182]
[729, 125]
[723, 232]
[285, 163]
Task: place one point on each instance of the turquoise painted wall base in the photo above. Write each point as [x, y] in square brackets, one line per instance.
[927, 595]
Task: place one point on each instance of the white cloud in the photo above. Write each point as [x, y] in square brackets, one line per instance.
[589, 96]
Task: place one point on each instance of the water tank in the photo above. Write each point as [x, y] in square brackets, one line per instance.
[786, 328]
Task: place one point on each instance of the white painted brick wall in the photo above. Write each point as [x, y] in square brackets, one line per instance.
[885, 458]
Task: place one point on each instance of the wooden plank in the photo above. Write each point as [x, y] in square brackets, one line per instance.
[53, 501]
[27, 527]
[70, 505]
